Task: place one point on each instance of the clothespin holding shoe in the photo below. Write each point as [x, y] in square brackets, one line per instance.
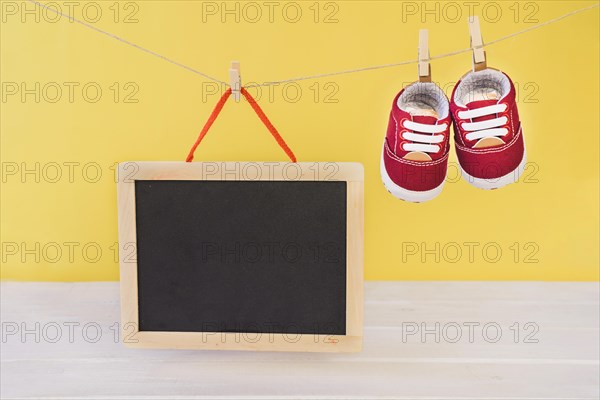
[479, 61]
[424, 66]
[235, 79]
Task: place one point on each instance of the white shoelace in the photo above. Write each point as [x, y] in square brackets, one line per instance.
[426, 143]
[487, 128]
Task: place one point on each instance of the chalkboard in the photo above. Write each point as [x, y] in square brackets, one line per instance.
[242, 255]
[229, 256]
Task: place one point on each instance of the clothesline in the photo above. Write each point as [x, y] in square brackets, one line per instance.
[317, 76]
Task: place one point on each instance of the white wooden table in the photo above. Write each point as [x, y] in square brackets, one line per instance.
[548, 348]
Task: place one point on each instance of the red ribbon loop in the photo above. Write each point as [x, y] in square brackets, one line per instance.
[215, 113]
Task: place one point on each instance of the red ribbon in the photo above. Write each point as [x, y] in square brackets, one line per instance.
[215, 113]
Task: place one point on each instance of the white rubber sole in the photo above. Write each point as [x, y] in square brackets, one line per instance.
[496, 183]
[408, 195]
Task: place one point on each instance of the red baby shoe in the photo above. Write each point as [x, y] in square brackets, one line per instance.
[487, 130]
[415, 150]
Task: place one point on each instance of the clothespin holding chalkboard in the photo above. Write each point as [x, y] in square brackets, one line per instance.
[479, 62]
[235, 78]
[424, 66]
[236, 91]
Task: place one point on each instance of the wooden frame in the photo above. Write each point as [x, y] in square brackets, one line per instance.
[352, 173]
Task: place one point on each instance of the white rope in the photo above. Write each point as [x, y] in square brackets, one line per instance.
[310, 77]
[415, 61]
[127, 42]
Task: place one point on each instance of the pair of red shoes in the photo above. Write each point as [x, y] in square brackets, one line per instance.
[487, 136]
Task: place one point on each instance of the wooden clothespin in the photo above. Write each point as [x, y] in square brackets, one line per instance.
[235, 78]
[424, 67]
[479, 62]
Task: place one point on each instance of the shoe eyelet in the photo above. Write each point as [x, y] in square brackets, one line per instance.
[401, 145]
[401, 124]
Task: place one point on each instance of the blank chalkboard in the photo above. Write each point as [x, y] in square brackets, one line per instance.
[227, 256]
[219, 256]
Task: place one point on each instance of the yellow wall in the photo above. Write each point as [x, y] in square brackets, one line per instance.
[546, 226]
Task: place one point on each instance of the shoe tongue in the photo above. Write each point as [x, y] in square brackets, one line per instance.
[417, 155]
[482, 103]
[424, 119]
